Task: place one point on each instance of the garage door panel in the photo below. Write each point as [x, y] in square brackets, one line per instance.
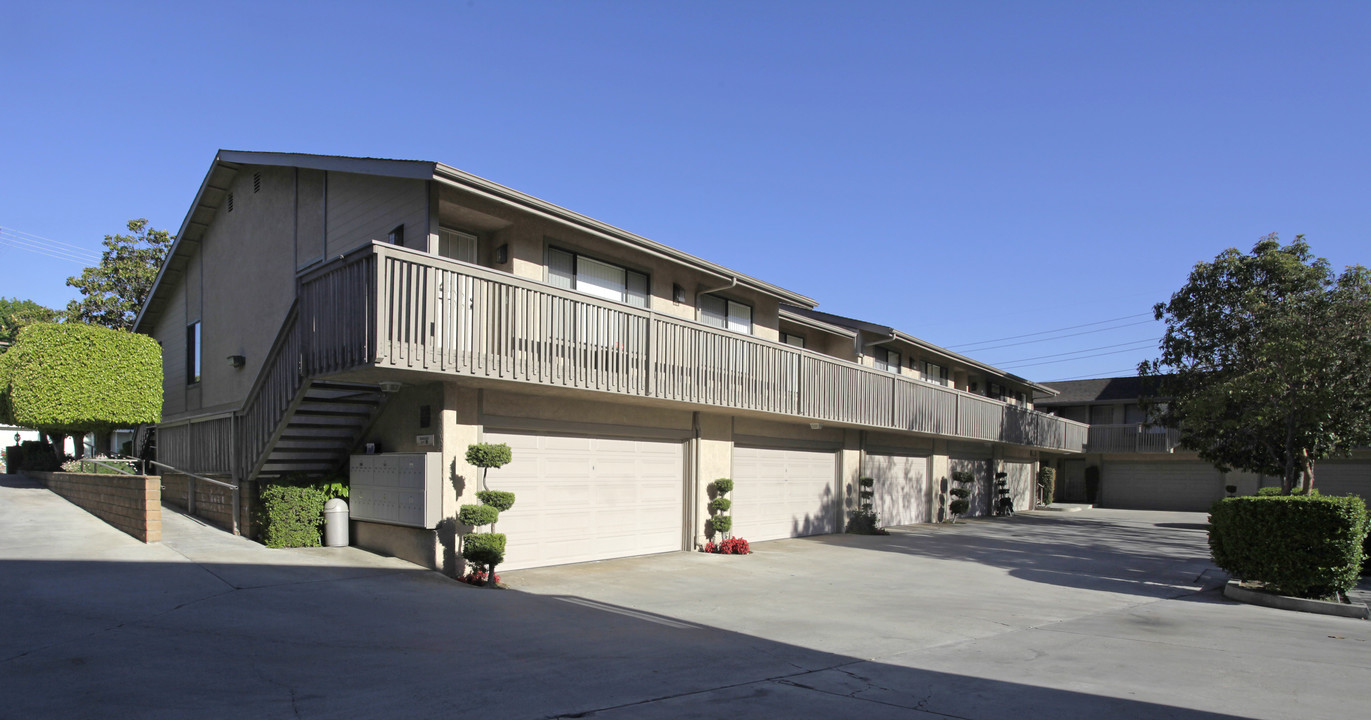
[1344, 478]
[1160, 485]
[1021, 485]
[580, 499]
[781, 493]
[901, 491]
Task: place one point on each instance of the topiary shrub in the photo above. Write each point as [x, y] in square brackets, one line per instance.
[477, 515]
[863, 520]
[1302, 546]
[486, 549]
[718, 505]
[75, 378]
[723, 486]
[501, 501]
[722, 524]
[290, 515]
[1269, 492]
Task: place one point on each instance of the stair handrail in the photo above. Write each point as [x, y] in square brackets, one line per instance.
[282, 365]
[190, 490]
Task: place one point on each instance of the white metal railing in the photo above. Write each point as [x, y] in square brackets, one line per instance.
[1131, 438]
[386, 306]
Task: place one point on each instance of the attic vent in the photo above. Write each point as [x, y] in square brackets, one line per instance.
[257, 182]
[230, 202]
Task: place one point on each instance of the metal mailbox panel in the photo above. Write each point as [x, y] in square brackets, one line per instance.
[396, 488]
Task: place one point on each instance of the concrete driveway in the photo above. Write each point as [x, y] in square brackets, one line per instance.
[1083, 615]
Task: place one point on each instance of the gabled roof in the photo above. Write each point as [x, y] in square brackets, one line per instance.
[227, 162]
[1098, 390]
[894, 335]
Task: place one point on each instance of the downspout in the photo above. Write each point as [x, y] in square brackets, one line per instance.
[721, 288]
[861, 346]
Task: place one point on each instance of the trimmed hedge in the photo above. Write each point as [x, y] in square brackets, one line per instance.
[1296, 545]
[489, 455]
[290, 515]
[71, 377]
[497, 499]
[486, 549]
[477, 515]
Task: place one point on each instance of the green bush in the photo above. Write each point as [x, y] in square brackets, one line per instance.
[477, 515]
[501, 501]
[290, 515]
[864, 522]
[38, 456]
[489, 455]
[721, 523]
[959, 506]
[722, 486]
[961, 493]
[486, 549]
[1268, 492]
[963, 476]
[14, 459]
[718, 505]
[71, 377]
[1301, 546]
[1047, 483]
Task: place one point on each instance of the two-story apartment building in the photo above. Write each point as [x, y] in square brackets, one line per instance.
[1133, 465]
[316, 305]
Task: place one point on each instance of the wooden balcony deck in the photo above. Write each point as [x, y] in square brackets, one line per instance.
[390, 307]
[1131, 438]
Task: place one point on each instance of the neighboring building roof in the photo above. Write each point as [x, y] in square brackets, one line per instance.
[1098, 391]
[226, 163]
[894, 334]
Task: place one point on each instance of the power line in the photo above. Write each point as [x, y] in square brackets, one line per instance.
[42, 239]
[1075, 352]
[1103, 373]
[43, 246]
[1083, 357]
[1063, 337]
[1049, 332]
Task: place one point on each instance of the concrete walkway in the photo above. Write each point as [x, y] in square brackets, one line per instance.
[1095, 614]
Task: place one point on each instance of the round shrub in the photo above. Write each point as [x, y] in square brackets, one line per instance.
[497, 499]
[723, 486]
[489, 455]
[959, 507]
[484, 548]
[721, 523]
[477, 515]
[720, 505]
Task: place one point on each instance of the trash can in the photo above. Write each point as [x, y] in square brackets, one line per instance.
[336, 523]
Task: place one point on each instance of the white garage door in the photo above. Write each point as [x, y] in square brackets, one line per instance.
[1021, 485]
[584, 498]
[1343, 478]
[1184, 485]
[979, 500]
[783, 493]
[901, 487]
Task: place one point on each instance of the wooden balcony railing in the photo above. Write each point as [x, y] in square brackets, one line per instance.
[1131, 438]
[385, 306]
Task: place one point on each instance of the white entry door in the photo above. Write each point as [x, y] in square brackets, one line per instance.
[589, 498]
[783, 493]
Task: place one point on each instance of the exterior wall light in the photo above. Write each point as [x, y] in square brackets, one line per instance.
[237, 361]
[816, 426]
[389, 386]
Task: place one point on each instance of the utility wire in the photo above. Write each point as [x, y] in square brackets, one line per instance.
[1083, 357]
[1061, 337]
[1049, 332]
[43, 246]
[1104, 373]
[48, 241]
[1074, 352]
[58, 254]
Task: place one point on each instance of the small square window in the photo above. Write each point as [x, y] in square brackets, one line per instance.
[726, 314]
[396, 236]
[796, 340]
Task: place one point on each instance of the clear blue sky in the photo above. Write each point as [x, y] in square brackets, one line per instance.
[962, 171]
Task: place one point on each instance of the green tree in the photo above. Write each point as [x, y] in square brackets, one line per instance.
[1266, 361]
[115, 289]
[76, 378]
[16, 314]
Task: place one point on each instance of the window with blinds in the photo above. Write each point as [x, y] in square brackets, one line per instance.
[571, 271]
[726, 314]
[457, 245]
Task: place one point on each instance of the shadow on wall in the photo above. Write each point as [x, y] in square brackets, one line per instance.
[403, 628]
[820, 522]
[1078, 553]
[450, 531]
[901, 491]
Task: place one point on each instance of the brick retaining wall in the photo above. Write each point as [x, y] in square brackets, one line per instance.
[213, 503]
[132, 503]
